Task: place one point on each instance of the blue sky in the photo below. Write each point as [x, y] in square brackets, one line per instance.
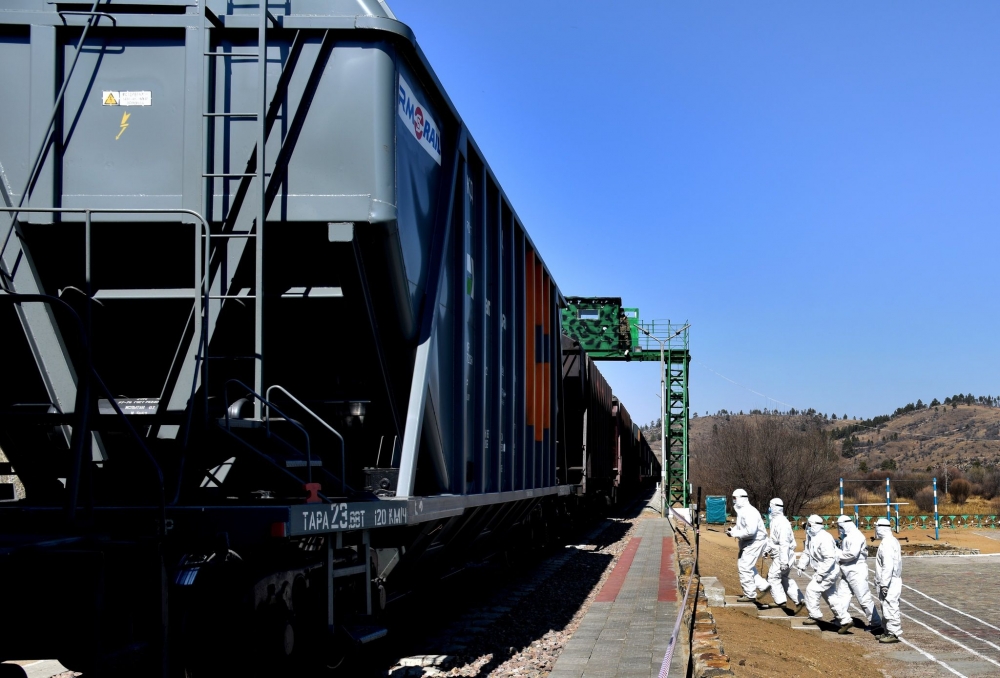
[813, 186]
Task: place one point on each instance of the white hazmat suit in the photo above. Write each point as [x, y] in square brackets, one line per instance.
[889, 578]
[821, 553]
[749, 530]
[781, 547]
[854, 568]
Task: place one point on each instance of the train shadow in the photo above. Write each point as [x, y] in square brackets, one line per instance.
[544, 618]
[504, 621]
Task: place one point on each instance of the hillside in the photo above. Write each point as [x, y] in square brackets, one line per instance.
[915, 440]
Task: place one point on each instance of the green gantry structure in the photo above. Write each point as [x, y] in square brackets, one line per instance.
[607, 330]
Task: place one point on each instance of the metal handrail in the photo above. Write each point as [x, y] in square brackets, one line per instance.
[56, 107]
[64, 13]
[202, 253]
[668, 656]
[83, 399]
[343, 447]
[267, 422]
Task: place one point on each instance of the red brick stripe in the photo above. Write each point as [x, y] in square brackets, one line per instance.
[613, 584]
[668, 578]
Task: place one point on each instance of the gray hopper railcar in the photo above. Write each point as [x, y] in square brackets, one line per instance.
[272, 333]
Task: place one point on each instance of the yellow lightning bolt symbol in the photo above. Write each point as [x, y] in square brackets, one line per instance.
[125, 117]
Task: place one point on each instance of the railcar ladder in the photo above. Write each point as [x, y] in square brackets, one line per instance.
[256, 169]
[240, 226]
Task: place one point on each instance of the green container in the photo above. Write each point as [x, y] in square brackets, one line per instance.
[715, 510]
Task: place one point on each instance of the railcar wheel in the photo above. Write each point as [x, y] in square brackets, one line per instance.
[217, 619]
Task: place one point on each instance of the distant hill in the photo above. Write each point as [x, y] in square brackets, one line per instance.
[962, 433]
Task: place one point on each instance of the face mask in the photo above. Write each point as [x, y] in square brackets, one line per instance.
[842, 531]
[776, 510]
[740, 502]
[883, 531]
[814, 530]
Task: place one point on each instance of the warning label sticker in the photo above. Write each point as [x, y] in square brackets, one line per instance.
[122, 98]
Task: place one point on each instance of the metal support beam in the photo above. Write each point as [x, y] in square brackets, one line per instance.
[328, 568]
[675, 446]
[258, 323]
[421, 365]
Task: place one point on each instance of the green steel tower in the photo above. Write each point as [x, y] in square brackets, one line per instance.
[675, 455]
[609, 331]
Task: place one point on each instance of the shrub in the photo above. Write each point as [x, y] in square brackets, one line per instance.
[976, 474]
[995, 506]
[991, 483]
[769, 458]
[925, 499]
[960, 490]
[908, 484]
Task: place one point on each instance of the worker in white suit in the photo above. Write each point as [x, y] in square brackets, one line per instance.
[854, 567]
[889, 579]
[749, 530]
[781, 548]
[821, 554]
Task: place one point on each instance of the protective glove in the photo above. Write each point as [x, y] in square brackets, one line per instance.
[785, 568]
[803, 562]
[729, 532]
[884, 592]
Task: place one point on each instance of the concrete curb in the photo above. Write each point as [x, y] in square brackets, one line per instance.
[703, 647]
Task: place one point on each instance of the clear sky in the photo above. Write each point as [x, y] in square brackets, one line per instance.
[813, 186]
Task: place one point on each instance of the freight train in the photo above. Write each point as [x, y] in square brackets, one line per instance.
[275, 342]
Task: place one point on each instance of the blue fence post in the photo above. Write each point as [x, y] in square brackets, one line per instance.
[841, 496]
[888, 515]
[936, 535]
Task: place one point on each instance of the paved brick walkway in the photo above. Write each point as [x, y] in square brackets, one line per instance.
[626, 630]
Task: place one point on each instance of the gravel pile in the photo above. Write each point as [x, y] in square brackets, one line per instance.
[526, 623]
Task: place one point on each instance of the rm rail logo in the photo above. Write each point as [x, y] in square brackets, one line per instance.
[421, 125]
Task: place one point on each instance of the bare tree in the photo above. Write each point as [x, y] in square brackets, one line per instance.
[768, 458]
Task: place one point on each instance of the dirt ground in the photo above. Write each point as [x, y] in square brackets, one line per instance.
[762, 649]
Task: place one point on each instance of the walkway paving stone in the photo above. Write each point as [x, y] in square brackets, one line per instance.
[627, 628]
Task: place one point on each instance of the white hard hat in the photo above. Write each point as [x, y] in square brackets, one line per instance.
[883, 522]
[814, 520]
[739, 493]
[844, 519]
